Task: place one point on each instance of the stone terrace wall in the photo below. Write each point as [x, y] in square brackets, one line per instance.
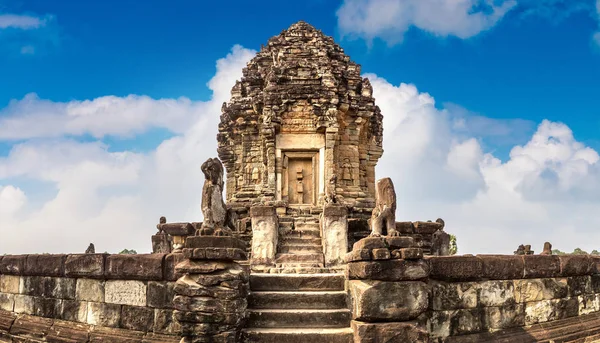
[397, 294]
[88, 297]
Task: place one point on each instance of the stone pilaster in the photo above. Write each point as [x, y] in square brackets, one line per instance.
[265, 227]
[211, 298]
[334, 233]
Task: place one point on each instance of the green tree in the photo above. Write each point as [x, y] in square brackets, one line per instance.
[557, 252]
[578, 251]
[127, 251]
[453, 245]
[595, 252]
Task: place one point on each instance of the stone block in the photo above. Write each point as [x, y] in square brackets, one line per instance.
[137, 318]
[45, 265]
[410, 253]
[375, 301]
[334, 234]
[215, 242]
[210, 305]
[401, 242]
[389, 332]
[135, 267]
[528, 290]
[405, 227]
[265, 233]
[574, 265]
[504, 317]
[390, 270]
[381, 254]
[588, 303]
[456, 268]
[225, 254]
[103, 314]
[370, 243]
[161, 244]
[595, 261]
[164, 322]
[455, 322]
[358, 255]
[502, 267]
[126, 292]
[171, 260]
[454, 295]
[262, 211]
[85, 265]
[595, 281]
[42, 286]
[90, 290]
[68, 332]
[30, 328]
[47, 307]
[7, 302]
[539, 312]
[160, 294]
[13, 264]
[579, 285]
[74, 311]
[427, 228]
[178, 229]
[9, 284]
[496, 293]
[541, 266]
[115, 335]
[24, 304]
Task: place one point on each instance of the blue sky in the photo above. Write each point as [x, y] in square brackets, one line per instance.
[502, 68]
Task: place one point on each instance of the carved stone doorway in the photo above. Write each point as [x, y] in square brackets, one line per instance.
[301, 177]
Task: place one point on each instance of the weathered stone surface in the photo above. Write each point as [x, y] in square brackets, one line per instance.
[383, 220]
[405, 227]
[579, 285]
[7, 302]
[161, 244]
[90, 290]
[389, 332]
[428, 228]
[390, 270]
[136, 267]
[265, 231]
[67, 332]
[410, 253]
[42, 286]
[210, 305]
[126, 292]
[160, 294]
[454, 295]
[359, 255]
[456, 268]
[164, 322]
[114, 335]
[73, 310]
[213, 206]
[47, 307]
[13, 264]
[6, 321]
[388, 301]
[178, 229]
[502, 267]
[539, 289]
[496, 293]
[381, 254]
[137, 318]
[440, 243]
[9, 284]
[504, 317]
[104, 314]
[574, 265]
[214, 242]
[335, 234]
[171, 261]
[455, 322]
[85, 265]
[31, 327]
[588, 303]
[225, 254]
[541, 266]
[370, 243]
[24, 304]
[401, 242]
[45, 265]
[547, 310]
[202, 267]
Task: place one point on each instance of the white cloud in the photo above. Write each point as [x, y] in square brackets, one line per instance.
[548, 189]
[113, 199]
[596, 35]
[390, 19]
[24, 22]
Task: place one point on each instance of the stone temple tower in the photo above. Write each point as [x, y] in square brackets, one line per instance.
[300, 115]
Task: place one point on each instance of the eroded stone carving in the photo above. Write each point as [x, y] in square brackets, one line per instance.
[213, 206]
[383, 220]
[547, 249]
[331, 195]
[90, 249]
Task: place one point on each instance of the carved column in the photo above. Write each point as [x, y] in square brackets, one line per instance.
[211, 298]
[265, 227]
[334, 233]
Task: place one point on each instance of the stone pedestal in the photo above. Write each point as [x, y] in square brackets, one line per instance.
[211, 298]
[161, 244]
[265, 228]
[334, 233]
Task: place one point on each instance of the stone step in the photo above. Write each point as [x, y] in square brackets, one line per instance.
[303, 234]
[338, 318]
[299, 258]
[297, 282]
[300, 249]
[301, 240]
[298, 300]
[301, 269]
[295, 335]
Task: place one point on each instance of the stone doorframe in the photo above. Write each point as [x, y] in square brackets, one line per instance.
[301, 145]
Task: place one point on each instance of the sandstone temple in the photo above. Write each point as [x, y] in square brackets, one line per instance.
[299, 241]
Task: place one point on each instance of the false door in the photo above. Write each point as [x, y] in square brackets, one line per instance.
[301, 178]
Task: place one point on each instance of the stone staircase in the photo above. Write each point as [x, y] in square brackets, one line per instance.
[299, 247]
[298, 308]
